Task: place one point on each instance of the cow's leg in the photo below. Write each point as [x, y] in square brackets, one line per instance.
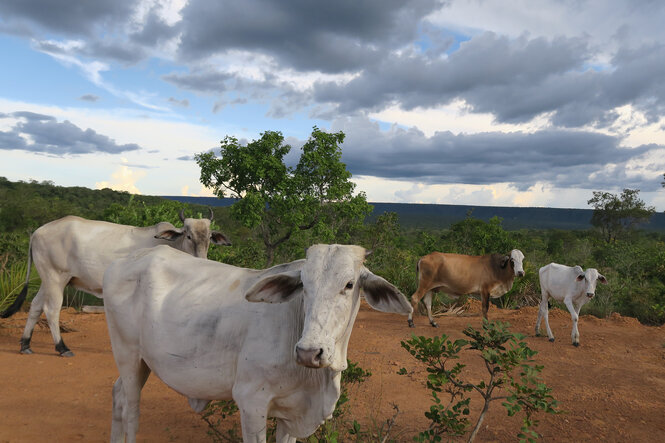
[544, 312]
[428, 304]
[415, 298]
[117, 427]
[52, 305]
[575, 335]
[133, 375]
[253, 426]
[36, 309]
[281, 435]
[485, 299]
[48, 300]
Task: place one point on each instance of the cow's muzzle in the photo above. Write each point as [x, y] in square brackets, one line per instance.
[520, 273]
[590, 294]
[312, 358]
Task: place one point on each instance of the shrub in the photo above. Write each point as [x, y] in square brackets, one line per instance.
[507, 360]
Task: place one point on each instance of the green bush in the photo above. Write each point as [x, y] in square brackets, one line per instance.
[508, 363]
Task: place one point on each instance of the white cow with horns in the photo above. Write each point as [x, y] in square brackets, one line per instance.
[75, 251]
[571, 285]
[189, 321]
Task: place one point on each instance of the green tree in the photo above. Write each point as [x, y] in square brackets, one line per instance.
[615, 215]
[476, 237]
[279, 200]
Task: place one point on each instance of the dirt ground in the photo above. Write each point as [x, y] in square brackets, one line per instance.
[612, 388]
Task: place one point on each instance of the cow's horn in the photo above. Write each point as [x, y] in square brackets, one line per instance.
[212, 215]
[182, 215]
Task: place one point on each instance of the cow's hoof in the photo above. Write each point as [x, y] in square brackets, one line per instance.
[26, 351]
[67, 354]
[552, 340]
[434, 324]
[411, 325]
[576, 344]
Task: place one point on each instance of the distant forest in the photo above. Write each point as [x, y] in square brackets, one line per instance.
[435, 216]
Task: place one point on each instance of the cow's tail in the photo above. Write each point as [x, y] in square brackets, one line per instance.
[20, 299]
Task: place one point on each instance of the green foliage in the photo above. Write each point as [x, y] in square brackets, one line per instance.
[137, 213]
[214, 414]
[507, 360]
[279, 201]
[12, 279]
[476, 237]
[614, 215]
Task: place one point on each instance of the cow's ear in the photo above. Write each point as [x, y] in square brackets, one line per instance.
[580, 277]
[170, 234]
[276, 288]
[602, 279]
[219, 239]
[504, 261]
[382, 295]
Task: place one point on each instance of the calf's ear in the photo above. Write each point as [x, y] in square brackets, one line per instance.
[382, 295]
[276, 288]
[219, 239]
[169, 234]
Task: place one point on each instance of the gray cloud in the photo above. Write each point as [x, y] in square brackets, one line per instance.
[42, 133]
[564, 158]
[89, 98]
[327, 36]
[67, 17]
[183, 103]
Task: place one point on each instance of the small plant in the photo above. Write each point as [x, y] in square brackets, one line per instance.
[214, 413]
[507, 360]
[12, 279]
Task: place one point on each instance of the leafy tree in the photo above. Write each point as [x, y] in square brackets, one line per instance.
[615, 215]
[280, 200]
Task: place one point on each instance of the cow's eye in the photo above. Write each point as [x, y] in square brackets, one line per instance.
[349, 285]
[189, 237]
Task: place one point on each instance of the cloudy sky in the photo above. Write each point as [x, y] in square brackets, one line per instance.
[483, 102]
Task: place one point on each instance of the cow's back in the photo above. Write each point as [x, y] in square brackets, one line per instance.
[556, 279]
[82, 249]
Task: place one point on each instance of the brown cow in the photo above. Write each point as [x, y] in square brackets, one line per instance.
[457, 274]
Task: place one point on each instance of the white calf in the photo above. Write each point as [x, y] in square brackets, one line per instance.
[571, 285]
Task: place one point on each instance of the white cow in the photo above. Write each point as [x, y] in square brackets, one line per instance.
[571, 285]
[75, 251]
[189, 321]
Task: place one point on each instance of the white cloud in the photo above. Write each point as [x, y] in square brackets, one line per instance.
[123, 179]
[455, 118]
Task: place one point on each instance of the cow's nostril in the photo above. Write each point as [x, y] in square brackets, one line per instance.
[309, 357]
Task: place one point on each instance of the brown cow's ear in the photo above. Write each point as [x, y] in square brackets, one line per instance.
[219, 239]
[169, 234]
[504, 261]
